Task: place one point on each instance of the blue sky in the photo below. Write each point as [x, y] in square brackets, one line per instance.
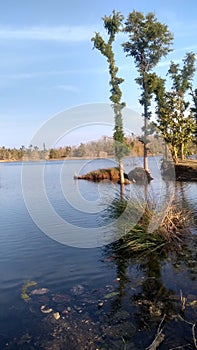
[47, 64]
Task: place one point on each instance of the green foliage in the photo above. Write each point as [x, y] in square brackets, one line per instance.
[194, 110]
[112, 24]
[182, 77]
[176, 126]
[174, 118]
[139, 241]
[149, 41]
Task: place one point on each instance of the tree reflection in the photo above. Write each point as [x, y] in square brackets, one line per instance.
[149, 297]
[154, 299]
[144, 295]
[187, 202]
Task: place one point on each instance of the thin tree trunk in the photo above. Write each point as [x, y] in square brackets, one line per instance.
[182, 151]
[145, 124]
[121, 170]
[165, 151]
[174, 156]
[145, 139]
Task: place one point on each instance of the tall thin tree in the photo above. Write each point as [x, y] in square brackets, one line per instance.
[112, 24]
[149, 41]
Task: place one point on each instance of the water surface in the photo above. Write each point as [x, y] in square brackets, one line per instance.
[127, 289]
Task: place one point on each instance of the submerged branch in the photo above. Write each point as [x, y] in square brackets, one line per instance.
[193, 329]
[159, 338]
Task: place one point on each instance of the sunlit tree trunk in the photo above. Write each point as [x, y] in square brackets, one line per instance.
[145, 140]
[174, 155]
[182, 152]
[121, 169]
[145, 158]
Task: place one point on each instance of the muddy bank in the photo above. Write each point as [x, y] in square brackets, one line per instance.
[183, 171]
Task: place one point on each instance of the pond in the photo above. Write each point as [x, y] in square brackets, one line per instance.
[63, 284]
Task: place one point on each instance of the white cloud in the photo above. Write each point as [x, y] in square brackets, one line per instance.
[42, 74]
[58, 33]
[168, 62]
[67, 88]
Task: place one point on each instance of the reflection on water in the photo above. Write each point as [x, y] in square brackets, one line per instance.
[187, 194]
[105, 300]
[149, 286]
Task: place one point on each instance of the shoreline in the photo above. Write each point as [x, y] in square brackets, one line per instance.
[67, 158]
[185, 170]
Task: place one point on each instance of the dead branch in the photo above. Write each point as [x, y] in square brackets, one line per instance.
[180, 347]
[193, 329]
[183, 301]
[159, 338]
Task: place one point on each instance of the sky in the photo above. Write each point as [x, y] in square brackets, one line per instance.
[48, 65]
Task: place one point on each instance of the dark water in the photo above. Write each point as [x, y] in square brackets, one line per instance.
[116, 301]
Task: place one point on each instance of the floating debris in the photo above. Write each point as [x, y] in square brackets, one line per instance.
[56, 315]
[67, 310]
[110, 295]
[24, 295]
[44, 310]
[100, 304]
[40, 291]
[193, 303]
[78, 289]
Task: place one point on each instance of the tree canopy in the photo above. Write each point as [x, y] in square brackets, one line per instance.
[149, 41]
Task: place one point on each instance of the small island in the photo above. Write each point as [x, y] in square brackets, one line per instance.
[137, 175]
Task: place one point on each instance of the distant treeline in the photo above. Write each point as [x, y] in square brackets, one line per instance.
[102, 148]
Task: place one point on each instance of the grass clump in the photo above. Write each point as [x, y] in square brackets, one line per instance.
[153, 230]
[138, 240]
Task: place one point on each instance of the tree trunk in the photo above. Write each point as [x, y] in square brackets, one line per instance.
[145, 138]
[121, 169]
[165, 151]
[174, 155]
[182, 151]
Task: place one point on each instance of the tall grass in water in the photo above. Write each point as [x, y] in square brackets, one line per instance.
[136, 216]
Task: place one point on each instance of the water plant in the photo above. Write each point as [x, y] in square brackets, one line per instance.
[137, 234]
[24, 295]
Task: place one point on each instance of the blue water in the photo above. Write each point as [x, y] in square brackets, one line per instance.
[28, 253]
